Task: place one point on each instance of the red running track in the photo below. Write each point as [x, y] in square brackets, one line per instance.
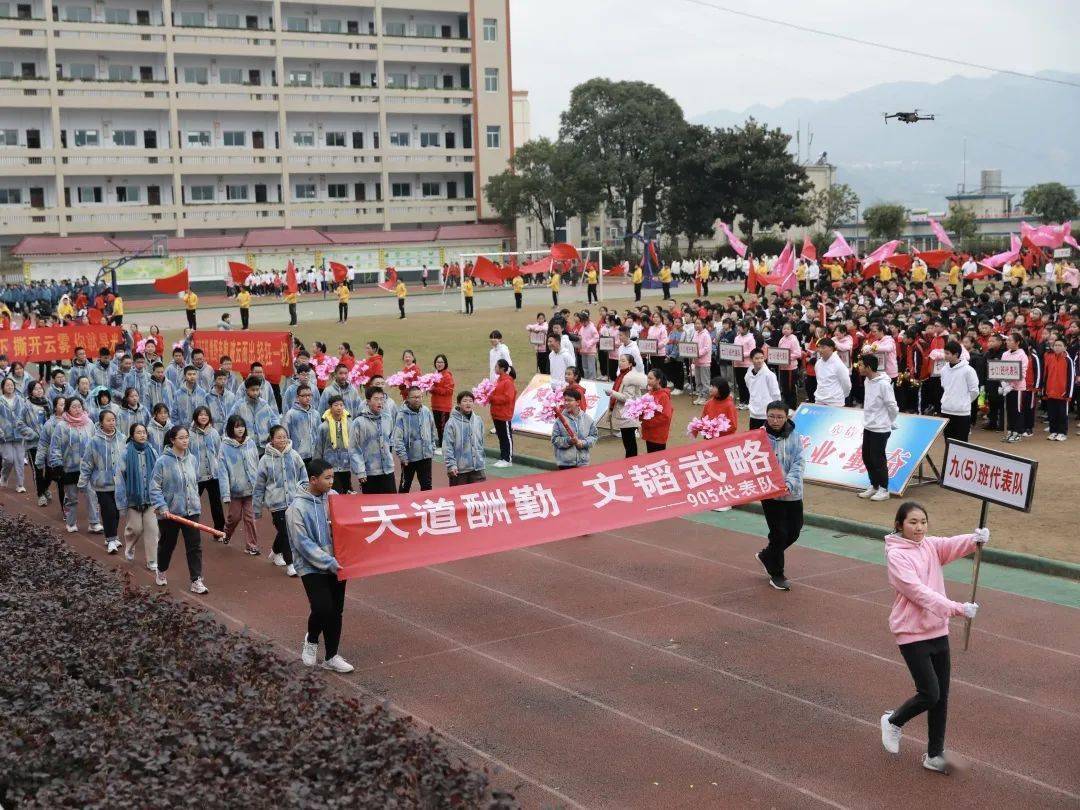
[654, 667]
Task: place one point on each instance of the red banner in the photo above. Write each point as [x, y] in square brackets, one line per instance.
[377, 534]
[56, 342]
[272, 349]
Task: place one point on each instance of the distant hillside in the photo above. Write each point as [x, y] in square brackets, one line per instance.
[1028, 129]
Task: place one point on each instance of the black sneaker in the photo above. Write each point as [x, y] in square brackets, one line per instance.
[780, 583]
[762, 561]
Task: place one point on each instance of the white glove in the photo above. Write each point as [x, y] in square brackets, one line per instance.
[982, 536]
[970, 609]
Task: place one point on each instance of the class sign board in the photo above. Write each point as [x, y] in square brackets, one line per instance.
[729, 351]
[990, 475]
[1003, 370]
[776, 356]
[688, 350]
[606, 344]
[646, 345]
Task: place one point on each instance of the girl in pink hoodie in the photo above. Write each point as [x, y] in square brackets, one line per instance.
[920, 621]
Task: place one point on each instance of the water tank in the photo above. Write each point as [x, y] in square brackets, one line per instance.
[991, 181]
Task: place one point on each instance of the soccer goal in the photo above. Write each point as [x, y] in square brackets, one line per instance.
[532, 261]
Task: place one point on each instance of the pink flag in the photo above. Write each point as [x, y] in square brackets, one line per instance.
[882, 253]
[999, 259]
[1014, 242]
[939, 232]
[783, 272]
[839, 248]
[809, 251]
[1068, 237]
[736, 243]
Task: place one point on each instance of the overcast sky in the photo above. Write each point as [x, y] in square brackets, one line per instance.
[710, 59]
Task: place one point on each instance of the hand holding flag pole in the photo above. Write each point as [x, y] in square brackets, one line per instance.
[975, 573]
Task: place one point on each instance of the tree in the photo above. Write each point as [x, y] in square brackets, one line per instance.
[1052, 202]
[962, 222]
[698, 190]
[833, 205]
[771, 187]
[885, 221]
[624, 132]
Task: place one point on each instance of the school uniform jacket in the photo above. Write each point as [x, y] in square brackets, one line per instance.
[1059, 376]
[238, 468]
[370, 438]
[413, 438]
[279, 478]
[100, 465]
[174, 484]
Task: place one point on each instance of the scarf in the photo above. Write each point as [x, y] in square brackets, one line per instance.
[77, 422]
[618, 387]
[139, 460]
[337, 431]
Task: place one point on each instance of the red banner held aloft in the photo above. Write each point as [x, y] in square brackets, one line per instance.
[272, 349]
[240, 272]
[56, 342]
[378, 534]
[174, 284]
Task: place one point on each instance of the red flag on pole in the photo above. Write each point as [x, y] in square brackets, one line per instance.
[808, 249]
[240, 271]
[171, 285]
[340, 271]
[562, 252]
[485, 270]
[290, 278]
[390, 281]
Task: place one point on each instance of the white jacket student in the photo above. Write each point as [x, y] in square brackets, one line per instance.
[879, 404]
[763, 389]
[833, 381]
[959, 388]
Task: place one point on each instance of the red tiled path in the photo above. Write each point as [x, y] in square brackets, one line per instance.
[653, 667]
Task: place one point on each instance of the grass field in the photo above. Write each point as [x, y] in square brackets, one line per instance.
[1049, 530]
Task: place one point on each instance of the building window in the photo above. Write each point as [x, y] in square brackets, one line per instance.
[10, 196]
[127, 194]
[425, 29]
[300, 78]
[398, 80]
[336, 139]
[304, 191]
[399, 138]
[427, 81]
[9, 137]
[202, 193]
[330, 26]
[196, 75]
[333, 78]
[400, 189]
[236, 193]
[87, 137]
[192, 19]
[117, 16]
[234, 137]
[429, 139]
[303, 139]
[88, 194]
[491, 29]
[198, 138]
[77, 14]
[82, 70]
[491, 80]
[227, 20]
[123, 137]
[494, 136]
[337, 191]
[431, 189]
[394, 29]
[7, 70]
[230, 75]
[296, 24]
[121, 73]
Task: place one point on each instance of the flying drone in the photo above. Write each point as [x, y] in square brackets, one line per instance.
[908, 117]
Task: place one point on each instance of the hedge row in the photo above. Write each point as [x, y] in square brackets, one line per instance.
[113, 696]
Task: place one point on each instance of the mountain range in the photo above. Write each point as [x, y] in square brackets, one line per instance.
[1028, 129]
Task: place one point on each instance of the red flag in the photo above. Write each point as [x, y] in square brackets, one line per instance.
[617, 270]
[900, 261]
[540, 266]
[871, 270]
[390, 282]
[94, 316]
[808, 249]
[290, 278]
[340, 271]
[171, 285]
[485, 270]
[752, 279]
[934, 258]
[510, 271]
[562, 252]
[240, 271]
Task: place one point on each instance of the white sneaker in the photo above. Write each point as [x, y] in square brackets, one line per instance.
[890, 734]
[112, 546]
[438, 451]
[337, 664]
[198, 587]
[868, 492]
[97, 528]
[492, 432]
[160, 579]
[1061, 437]
[722, 509]
[501, 463]
[276, 559]
[309, 653]
[72, 529]
[676, 392]
[880, 495]
[42, 501]
[20, 489]
[151, 567]
[290, 570]
[936, 764]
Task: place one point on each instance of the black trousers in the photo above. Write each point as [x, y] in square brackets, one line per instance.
[1013, 418]
[110, 515]
[629, 441]
[326, 596]
[652, 447]
[994, 403]
[245, 314]
[740, 383]
[590, 293]
[637, 292]
[441, 418]
[517, 300]
[468, 305]
[57, 474]
[873, 457]
[931, 395]
[342, 312]
[667, 289]
[217, 511]
[190, 318]
[342, 482]
[785, 521]
[281, 536]
[419, 469]
[676, 372]
[379, 485]
[788, 381]
[958, 427]
[554, 298]
[506, 439]
[401, 307]
[810, 384]
[468, 477]
[1057, 412]
[169, 532]
[41, 476]
[705, 287]
[292, 314]
[1027, 408]
[930, 667]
